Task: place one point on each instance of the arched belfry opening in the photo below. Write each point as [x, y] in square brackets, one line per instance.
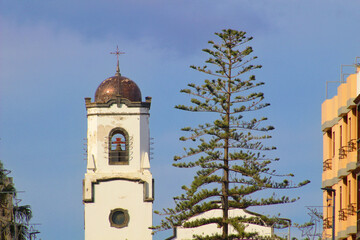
[118, 147]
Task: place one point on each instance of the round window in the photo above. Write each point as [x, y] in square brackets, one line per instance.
[119, 218]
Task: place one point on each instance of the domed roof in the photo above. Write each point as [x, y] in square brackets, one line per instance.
[115, 86]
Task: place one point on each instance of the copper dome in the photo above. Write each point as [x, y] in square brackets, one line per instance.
[117, 86]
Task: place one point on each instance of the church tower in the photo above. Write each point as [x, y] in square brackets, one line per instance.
[118, 185]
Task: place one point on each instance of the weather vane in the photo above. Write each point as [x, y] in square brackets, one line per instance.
[117, 55]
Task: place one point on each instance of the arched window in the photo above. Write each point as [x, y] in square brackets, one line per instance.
[118, 147]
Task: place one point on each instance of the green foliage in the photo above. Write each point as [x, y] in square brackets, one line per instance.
[14, 224]
[229, 152]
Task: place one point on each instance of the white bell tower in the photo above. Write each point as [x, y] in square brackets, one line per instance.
[118, 185]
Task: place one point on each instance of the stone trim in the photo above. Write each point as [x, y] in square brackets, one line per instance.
[118, 101]
[116, 114]
[90, 181]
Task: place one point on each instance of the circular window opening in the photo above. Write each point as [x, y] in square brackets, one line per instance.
[119, 218]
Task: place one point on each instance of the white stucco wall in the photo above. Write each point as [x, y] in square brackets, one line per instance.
[209, 229]
[102, 120]
[107, 187]
[118, 194]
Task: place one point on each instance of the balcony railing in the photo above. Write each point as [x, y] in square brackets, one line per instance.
[343, 214]
[327, 164]
[342, 152]
[351, 145]
[327, 223]
[351, 209]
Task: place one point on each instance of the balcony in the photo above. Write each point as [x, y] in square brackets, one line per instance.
[327, 223]
[351, 209]
[327, 164]
[343, 214]
[342, 152]
[351, 146]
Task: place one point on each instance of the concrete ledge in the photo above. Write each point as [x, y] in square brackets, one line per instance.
[351, 166]
[343, 111]
[351, 230]
[344, 234]
[330, 182]
[342, 172]
[341, 235]
[329, 124]
[350, 103]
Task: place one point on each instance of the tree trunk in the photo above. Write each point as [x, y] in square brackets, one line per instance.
[225, 185]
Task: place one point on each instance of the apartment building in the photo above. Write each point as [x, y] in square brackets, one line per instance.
[341, 165]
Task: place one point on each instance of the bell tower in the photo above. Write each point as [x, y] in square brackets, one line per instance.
[118, 185]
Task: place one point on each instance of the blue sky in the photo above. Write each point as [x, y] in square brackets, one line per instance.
[55, 53]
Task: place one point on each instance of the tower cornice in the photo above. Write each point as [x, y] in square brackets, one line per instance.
[118, 101]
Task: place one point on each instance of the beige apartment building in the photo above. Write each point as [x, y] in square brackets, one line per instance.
[340, 126]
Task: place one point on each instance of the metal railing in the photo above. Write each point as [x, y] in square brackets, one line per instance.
[327, 223]
[342, 152]
[351, 146]
[327, 164]
[343, 214]
[351, 209]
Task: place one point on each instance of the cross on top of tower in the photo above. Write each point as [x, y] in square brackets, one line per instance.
[117, 55]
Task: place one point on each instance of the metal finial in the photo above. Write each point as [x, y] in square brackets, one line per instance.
[117, 55]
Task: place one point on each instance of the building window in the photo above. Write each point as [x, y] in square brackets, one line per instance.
[340, 136]
[340, 198]
[333, 145]
[329, 143]
[349, 187]
[118, 147]
[349, 128]
[119, 218]
[358, 192]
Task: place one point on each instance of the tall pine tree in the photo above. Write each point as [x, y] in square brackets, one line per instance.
[229, 152]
